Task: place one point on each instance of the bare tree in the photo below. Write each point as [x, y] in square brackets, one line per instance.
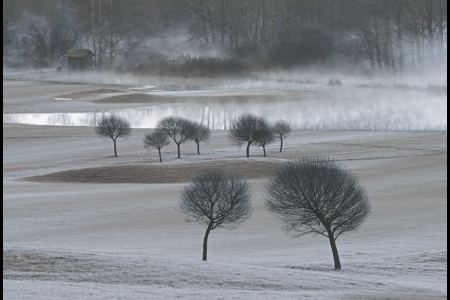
[247, 128]
[113, 127]
[265, 135]
[216, 200]
[121, 25]
[316, 195]
[110, 27]
[11, 15]
[281, 129]
[44, 44]
[201, 133]
[178, 129]
[156, 140]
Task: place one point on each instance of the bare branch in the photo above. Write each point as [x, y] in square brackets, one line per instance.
[251, 129]
[315, 195]
[280, 130]
[156, 140]
[201, 133]
[113, 127]
[215, 199]
[178, 129]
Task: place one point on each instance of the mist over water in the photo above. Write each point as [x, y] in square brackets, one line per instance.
[380, 102]
[339, 108]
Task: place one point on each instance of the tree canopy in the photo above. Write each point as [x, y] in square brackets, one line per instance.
[316, 195]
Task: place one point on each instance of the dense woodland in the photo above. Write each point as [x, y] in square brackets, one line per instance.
[226, 37]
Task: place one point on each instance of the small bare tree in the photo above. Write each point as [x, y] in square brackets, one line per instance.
[201, 133]
[280, 130]
[215, 199]
[113, 127]
[247, 128]
[178, 129]
[316, 195]
[156, 140]
[265, 135]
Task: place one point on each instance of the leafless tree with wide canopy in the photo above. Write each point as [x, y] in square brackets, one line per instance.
[316, 195]
[156, 140]
[178, 129]
[251, 129]
[113, 127]
[280, 129]
[216, 200]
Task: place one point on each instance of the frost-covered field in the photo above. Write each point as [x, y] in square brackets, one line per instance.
[66, 240]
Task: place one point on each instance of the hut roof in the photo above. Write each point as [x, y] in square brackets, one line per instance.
[77, 53]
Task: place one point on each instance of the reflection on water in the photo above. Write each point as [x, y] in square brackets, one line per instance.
[324, 114]
[215, 117]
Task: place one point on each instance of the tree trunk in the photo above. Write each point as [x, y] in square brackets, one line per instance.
[178, 146]
[160, 159]
[263, 27]
[332, 16]
[111, 34]
[281, 146]
[205, 241]
[419, 49]
[398, 22]
[222, 27]
[337, 262]
[247, 17]
[231, 24]
[248, 149]
[115, 149]
[198, 148]
[441, 26]
[93, 34]
[255, 39]
[100, 41]
[205, 31]
[429, 27]
[377, 38]
[272, 35]
[264, 149]
[210, 11]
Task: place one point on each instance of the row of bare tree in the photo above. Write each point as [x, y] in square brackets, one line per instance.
[311, 195]
[399, 33]
[235, 24]
[247, 128]
[388, 34]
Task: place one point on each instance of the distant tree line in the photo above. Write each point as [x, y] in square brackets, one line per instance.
[384, 34]
[388, 34]
[247, 128]
[184, 65]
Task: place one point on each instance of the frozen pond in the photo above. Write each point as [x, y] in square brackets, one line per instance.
[346, 113]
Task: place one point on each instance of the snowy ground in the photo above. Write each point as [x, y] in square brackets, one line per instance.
[128, 241]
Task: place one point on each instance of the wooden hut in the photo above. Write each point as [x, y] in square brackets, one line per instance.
[79, 59]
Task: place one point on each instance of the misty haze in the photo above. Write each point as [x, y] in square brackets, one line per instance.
[360, 82]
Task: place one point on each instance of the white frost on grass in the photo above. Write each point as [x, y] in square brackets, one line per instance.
[62, 99]
[119, 275]
[145, 87]
[128, 241]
